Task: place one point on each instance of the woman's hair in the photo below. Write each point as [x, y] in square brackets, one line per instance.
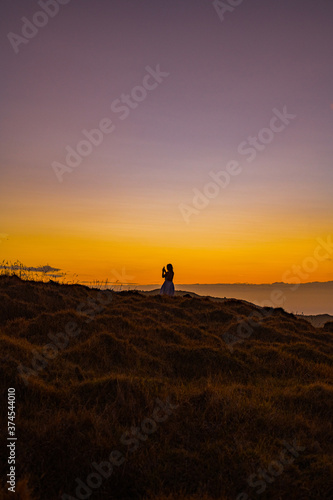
[169, 267]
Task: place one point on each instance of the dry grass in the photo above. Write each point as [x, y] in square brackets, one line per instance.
[235, 408]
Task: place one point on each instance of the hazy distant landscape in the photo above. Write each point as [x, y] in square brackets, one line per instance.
[307, 298]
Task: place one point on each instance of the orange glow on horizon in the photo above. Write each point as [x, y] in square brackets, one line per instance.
[109, 238]
[134, 262]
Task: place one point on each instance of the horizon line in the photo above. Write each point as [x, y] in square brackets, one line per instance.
[211, 284]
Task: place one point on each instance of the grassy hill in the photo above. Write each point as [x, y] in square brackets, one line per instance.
[132, 396]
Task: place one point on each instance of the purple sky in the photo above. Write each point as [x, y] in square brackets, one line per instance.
[224, 80]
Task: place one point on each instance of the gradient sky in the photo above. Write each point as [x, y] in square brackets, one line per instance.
[119, 209]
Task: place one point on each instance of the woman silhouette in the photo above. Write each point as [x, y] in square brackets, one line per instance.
[168, 286]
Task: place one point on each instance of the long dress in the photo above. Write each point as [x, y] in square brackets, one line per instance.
[168, 287]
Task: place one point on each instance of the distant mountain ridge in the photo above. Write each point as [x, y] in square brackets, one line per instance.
[311, 298]
[318, 320]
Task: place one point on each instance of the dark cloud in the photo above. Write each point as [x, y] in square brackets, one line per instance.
[41, 269]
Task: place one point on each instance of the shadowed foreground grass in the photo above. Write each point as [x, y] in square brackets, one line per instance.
[152, 380]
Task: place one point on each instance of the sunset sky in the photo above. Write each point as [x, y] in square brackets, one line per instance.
[179, 91]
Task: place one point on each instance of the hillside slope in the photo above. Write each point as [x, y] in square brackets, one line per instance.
[187, 397]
